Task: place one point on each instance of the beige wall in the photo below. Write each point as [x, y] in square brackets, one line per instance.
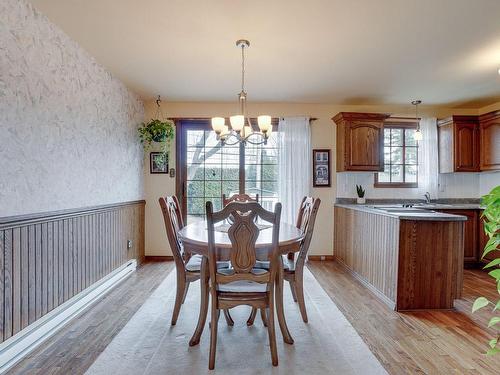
[323, 136]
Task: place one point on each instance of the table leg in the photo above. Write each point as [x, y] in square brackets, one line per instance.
[287, 337]
[204, 277]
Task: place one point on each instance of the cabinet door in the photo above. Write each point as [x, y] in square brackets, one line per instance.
[366, 147]
[490, 145]
[471, 254]
[466, 147]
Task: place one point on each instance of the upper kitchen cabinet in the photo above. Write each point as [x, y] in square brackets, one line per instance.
[360, 141]
[458, 144]
[489, 130]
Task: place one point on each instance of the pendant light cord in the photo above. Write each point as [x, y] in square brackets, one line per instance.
[243, 68]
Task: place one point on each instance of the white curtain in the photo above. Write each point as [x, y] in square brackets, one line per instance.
[428, 167]
[294, 160]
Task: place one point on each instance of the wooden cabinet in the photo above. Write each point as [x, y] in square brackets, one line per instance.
[489, 129]
[483, 239]
[360, 141]
[459, 144]
[471, 239]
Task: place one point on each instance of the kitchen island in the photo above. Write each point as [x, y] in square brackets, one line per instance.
[410, 258]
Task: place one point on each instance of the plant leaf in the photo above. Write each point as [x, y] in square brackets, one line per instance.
[497, 306]
[492, 351]
[492, 263]
[493, 321]
[479, 303]
[495, 274]
[493, 343]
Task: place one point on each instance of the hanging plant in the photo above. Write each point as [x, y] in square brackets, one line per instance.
[157, 131]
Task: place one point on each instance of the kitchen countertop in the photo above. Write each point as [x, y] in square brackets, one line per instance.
[425, 212]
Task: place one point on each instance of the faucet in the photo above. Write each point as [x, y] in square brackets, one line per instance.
[427, 196]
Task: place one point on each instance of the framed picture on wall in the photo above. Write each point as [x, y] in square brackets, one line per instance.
[321, 168]
[158, 162]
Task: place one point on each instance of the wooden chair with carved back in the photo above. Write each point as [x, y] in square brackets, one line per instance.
[238, 198]
[294, 268]
[243, 284]
[188, 268]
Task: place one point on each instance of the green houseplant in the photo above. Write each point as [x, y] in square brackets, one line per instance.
[361, 194]
[157, 131]
[491, 217]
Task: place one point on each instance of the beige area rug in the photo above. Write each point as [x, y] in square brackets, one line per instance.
[328, 344]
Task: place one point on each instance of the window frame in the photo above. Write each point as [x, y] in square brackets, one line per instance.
[399, 124]
[184, 124]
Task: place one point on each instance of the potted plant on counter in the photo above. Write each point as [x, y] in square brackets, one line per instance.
[491, 217]
[361, 194]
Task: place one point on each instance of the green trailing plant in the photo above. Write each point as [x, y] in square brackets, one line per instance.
[360, 191]
[491, 217]
[157, 131]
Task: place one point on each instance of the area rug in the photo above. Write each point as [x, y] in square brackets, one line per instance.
[148, 344]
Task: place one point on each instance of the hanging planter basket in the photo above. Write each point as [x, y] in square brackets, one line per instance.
[158, 130]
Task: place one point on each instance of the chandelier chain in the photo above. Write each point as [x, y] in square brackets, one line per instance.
[243, 68]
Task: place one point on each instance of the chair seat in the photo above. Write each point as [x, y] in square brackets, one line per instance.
[288, 264]
[194, 264]
[243, 286]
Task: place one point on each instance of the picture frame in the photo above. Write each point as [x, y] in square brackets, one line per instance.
[321, 168]
[158, 163]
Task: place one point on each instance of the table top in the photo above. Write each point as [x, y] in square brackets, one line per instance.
[197, 234]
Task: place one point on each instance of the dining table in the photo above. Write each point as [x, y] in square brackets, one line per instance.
[194, 238]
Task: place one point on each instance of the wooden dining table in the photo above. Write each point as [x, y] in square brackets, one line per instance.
[194, 238]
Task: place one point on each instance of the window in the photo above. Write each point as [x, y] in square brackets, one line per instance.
[207, 170]
[400, 157]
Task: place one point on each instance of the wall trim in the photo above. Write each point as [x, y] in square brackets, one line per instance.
[320, 257]
[8, 221]
[18, 346]
[159, 258]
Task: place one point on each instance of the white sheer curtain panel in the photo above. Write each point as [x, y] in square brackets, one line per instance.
[294, 161]
[428, 162]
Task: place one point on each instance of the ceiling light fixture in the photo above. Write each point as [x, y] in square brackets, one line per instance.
[239, 132]
[418, 133]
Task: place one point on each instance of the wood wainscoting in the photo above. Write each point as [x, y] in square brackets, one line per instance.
[48, 258]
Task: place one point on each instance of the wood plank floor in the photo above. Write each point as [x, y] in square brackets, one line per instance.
[439, 342]
[73, 349]
[430, 342]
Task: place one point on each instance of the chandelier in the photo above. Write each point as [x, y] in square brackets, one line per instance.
[418, 134]
[240, 129]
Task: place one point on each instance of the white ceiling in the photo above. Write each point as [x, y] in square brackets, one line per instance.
[324, 51]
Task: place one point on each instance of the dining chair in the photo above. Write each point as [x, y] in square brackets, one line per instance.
[188, 268]
[238, 198]
[243, 283]
[294, 268]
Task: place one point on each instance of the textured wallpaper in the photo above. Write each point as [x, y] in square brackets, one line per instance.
[67, 127]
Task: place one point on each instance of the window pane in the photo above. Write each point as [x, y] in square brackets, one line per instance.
[231, 172]
[397, 137]
[269, 189]
[410, 137]
[387, 155]
[195, 172]
[213, 155]
[384, 177]
[195, 138]
[212, 172]
[396, 155]
[230, 188]
[397, 173]
[196, 206]
[411, 173]
[411, 155]
[213, 189]
[387, 137]
[195, 189]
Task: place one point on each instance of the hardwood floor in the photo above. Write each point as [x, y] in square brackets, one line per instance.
[73, 349]
[428, 342]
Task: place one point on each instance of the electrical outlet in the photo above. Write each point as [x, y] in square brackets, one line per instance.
[322, 257]
[129, 244]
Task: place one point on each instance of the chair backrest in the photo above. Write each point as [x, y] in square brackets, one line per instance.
[238, 198]
[243, 234]
[173, 224]
[305, 221]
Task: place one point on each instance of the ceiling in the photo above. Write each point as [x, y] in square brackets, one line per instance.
[444, 52]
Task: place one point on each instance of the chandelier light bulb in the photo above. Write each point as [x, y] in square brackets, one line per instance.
[218, 124]
[237, 122]
[264, 122]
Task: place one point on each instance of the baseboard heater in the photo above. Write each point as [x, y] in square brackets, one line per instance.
[18, 346]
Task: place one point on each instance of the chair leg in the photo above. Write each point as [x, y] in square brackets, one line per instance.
[229, 320]
[185, 291]
[292, 288]
[263, 317]
[251, 318]
[179, 297]
[213, 336]
[272, 332]
[202, 317]
[299, 287]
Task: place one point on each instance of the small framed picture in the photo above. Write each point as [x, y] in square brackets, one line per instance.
[158, 162]
[321, 168]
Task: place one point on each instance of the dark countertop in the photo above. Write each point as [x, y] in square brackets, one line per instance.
[417, 213]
